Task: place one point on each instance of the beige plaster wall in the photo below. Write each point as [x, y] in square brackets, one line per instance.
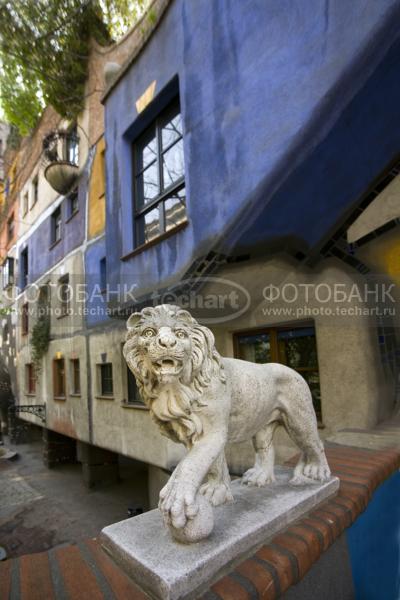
[125, 429]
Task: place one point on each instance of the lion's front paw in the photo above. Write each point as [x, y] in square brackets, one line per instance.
[258, 477]
[314, 471]
[178, 503]
[216, 493]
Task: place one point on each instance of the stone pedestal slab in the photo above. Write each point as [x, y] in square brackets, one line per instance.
[169, 570]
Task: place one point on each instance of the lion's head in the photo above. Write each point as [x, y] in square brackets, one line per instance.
[173, 359]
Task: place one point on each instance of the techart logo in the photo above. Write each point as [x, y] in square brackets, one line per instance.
[214, 300]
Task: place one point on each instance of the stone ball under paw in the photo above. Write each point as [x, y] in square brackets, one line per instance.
[199, 527]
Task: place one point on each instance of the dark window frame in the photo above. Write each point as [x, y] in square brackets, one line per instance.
[24, 267]
[35, 190]
[25, 319]
[59, 383]
[56, 226]
[276, 356]
[71, 146]
[73, 204]
[133, 397]
[8, 272]
[140, 209]
[103, 273]
[75, 376]
[106, 380]
[30, 379]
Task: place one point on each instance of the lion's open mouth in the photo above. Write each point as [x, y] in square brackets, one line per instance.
[167, 366]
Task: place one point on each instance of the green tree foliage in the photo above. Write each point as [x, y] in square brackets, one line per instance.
[40, 340]
[44, 49]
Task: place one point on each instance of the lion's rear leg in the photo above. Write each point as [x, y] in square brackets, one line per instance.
[217, 488]
[302, 429]
[263, 470]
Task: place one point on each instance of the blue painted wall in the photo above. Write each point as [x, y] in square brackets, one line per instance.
[374, 544]
[97, 302]
[42, 255]
[262, 84]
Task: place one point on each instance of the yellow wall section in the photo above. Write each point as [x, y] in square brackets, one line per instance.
[97, 198]
[382, 255]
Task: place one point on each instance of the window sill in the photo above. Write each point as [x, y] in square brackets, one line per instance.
[155, 241]
[104, 397]
[31, 394]
[134, 405]
[71, 216]
[54, 244]
[59, 398]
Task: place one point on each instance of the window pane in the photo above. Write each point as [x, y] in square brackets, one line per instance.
[146, 150]
[133, 392]
[107, 387]
[76, 383]
[312, 378]
[175, 209]
[149, 226]
[173, 164]
[59, 378]
[147, 185]
[171, 131]
[255, 348]
[297, 348]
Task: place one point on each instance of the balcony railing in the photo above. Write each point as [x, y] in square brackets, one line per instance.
[61, 155]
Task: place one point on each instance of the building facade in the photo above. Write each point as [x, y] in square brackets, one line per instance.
[217, 180]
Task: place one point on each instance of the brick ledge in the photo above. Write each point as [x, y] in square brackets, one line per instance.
[85, 571]
[285, 560]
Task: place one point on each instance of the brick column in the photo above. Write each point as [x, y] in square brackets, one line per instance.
[99, 466]
[58, 448]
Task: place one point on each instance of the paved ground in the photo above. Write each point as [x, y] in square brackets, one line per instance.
[42, 508]
[384, 435]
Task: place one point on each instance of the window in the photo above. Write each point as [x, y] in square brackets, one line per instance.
[35, 190]
[56, 226]
[103, 274]
[59, 378]
[72, 146]
[24, 267]
[159, 195]
[75, 376]
[133, 393]
[10, 228]
[25, 204]
[30, 379]
[294, 347]
[8, 272]
[25, 319]
[106, 379]
[64, 293]
[6, 334]
[73, 204]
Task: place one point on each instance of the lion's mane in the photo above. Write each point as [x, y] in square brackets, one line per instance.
[174, 407]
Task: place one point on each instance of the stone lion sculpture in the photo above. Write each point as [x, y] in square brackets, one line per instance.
[204, 401]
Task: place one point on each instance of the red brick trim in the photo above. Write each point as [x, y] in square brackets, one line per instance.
[293, 552]
[85, 572]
